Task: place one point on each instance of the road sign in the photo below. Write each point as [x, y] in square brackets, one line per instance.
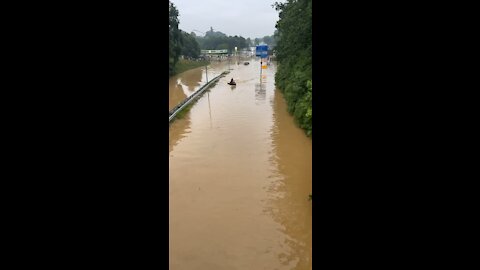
[213, 51]
[261, 50]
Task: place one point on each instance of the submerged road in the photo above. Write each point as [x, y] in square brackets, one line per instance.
[240, 175]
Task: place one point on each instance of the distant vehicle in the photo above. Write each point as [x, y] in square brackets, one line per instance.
[246, 63]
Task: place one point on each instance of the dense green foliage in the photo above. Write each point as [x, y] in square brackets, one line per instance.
[180, 43]
[190, 47]
[271, 41]
[174, 42]
[294, 56]
[215, 40]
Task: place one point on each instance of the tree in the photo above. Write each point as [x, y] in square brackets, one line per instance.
[190, 47]
[174, 41]
[222, 46]
[218, 41]
[268, 40]
[294, 55]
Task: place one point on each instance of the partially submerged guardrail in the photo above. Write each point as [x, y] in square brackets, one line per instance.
[173, 112]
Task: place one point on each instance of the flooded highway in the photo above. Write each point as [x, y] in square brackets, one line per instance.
[240, 173]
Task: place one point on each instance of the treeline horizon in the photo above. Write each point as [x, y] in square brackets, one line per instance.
[189, 45]
[217, 40]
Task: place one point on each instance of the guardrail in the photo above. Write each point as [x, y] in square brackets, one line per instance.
[173, 112]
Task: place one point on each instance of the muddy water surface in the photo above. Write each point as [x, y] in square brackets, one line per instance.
[240, 175]
[185, 84]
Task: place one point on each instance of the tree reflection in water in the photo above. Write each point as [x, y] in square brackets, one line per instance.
[193, 78]
[289, 204]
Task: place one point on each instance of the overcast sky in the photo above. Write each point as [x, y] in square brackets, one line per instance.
[246, 18]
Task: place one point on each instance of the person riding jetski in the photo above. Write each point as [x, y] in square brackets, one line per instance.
[232, 82]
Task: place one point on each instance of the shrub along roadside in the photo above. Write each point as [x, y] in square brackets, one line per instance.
[184, 65]
[294, 56]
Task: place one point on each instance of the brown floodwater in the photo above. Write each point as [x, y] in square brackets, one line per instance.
[240, 175]
[183, 85]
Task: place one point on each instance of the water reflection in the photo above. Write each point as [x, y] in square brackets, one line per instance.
[209, 108]
[175, 93]
[240, 175]
[261, 90]
[179, 128]
[192, 78]
[288, 204]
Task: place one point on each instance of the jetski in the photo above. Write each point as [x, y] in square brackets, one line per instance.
[232, 83]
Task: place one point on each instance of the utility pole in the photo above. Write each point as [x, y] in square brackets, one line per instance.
[261, 68]
[206, 71]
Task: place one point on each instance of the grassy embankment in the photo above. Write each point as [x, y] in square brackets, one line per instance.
[184, 65]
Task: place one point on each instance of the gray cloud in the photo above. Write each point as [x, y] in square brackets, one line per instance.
[247, 18]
